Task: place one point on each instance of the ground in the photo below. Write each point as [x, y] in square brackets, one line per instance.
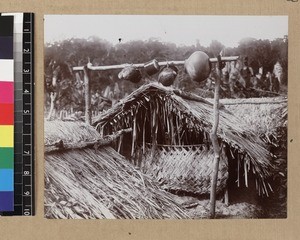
[197, 209]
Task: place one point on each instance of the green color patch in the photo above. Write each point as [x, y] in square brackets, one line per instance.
[6, 158]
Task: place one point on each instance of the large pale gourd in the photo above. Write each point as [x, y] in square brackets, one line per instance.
[198, 66]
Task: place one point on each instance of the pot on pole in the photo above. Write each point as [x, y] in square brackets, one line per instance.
[130, 73]
[152, 67]
[198, 66]
[167, 75]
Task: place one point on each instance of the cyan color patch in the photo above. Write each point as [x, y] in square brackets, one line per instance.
[6, 180]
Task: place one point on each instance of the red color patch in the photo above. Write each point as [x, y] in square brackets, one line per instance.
[6, 114]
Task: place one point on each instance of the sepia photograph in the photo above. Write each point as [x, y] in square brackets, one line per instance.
[165, 116]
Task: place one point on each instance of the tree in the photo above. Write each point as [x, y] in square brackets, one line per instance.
[215, 48]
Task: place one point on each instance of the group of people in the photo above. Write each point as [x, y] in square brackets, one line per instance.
[239, 80]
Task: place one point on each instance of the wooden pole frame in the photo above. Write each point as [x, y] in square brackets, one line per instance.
[89, 67]
[214, 140]
[87, 95]
[141, 65]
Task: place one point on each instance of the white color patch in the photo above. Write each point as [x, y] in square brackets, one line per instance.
[6, 70]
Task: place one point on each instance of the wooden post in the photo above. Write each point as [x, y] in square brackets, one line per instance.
[87, 95]
[226, 196]
[52, 104]
[215, 143]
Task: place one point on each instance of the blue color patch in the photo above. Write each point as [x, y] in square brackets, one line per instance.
[6, 47]
[6, 201]
[6, 180]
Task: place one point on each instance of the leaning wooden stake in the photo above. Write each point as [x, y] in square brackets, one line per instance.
[215, 143]
[60, 145]
[87, 95]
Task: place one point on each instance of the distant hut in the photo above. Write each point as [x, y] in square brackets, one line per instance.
[83, 182]
[267, 117]
[170, 141]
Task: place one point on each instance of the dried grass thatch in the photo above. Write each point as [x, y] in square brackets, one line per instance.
[263, 115]
[75, 133]
[84, 136]
[88, 184]
[95, 184]
[161, 115]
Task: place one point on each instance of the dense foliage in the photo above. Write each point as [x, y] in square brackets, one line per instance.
[60, 57]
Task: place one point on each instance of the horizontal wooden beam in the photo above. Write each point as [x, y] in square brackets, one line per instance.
[141, 65]
[224, 59]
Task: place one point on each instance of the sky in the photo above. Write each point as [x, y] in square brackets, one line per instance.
[181, 30]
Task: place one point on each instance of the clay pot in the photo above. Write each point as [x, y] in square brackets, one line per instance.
[198, 66]
[131, 74]
[152, 67]
[167, 76]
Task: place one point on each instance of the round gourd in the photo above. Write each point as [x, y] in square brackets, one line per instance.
[167, 76]
[198, 66]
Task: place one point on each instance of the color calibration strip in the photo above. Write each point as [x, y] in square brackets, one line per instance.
[23, 115]
[6, 114]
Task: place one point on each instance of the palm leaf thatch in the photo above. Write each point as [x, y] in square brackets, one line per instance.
[161, 115]
[267, 115]
[94, 184]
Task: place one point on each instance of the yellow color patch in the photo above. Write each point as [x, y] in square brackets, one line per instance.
[6, 136]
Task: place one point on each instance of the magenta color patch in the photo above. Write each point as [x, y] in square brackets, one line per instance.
[6, 92]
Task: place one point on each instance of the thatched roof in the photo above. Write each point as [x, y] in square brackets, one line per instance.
[268, 118]
[75, 133]
[188, 113]
[88, 183]
[262, 115]
[61, 136]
